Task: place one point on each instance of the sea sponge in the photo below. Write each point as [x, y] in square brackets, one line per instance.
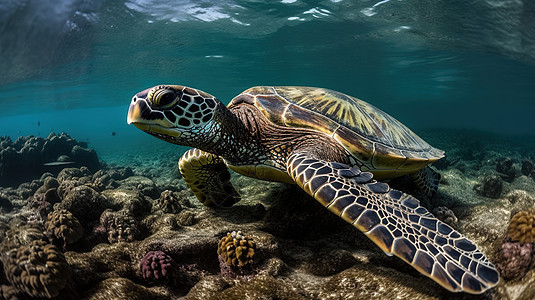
[514, 259]
[169, 203]
[522, 227]
[156, 265]
[490, 186]
[237, 250]
[445, 215]
[62, 225]
[39, 269]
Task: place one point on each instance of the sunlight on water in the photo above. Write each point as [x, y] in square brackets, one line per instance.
[429, 64]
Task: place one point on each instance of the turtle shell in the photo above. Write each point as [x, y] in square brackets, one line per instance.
[382, 144]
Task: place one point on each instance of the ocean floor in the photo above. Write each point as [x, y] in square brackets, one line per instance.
[127, 227]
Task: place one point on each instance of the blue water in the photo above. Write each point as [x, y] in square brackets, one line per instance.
[73, 65]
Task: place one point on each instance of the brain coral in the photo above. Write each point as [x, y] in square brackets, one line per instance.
[237, 250]
[62, 225]
[39, 269]
[19, 235]
[156, 265]
[522, 227]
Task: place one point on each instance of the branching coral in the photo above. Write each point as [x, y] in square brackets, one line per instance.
[237, 250]
[62, 225]
[522, 227]
[156, 265]
[39, 269]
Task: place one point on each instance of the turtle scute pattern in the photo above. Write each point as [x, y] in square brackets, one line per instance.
[396, 223]
[357, 115]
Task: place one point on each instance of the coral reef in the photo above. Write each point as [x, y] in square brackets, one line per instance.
[446, 215]
[84, 203]
[237, 250]
[62, 226]
[514, 259]
[147, 237]
[5, 204]
[130, 201]
[39, 270]
[156, 265]
[490, 186]
[119, 226]
[20, 234]
[506, 168]
[29, 157]
[143, 184]
[168, 202]
[186, 218]
[522, 227]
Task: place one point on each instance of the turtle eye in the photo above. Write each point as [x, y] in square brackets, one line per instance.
[164, 98]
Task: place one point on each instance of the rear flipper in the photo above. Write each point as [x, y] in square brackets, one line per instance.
[427, 180]
[208, 178]
[396, 223]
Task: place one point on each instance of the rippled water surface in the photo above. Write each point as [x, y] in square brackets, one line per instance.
[73, 65]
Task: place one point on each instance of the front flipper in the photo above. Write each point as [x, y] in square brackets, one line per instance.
[208, 178]
[396, 223]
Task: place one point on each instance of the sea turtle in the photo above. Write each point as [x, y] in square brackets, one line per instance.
[334, 147]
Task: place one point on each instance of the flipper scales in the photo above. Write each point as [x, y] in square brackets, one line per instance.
[208, 178]
[396, 222]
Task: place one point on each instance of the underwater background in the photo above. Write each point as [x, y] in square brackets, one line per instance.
[461, 74]
[74, 65]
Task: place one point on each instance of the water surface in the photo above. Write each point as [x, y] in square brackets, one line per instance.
[74, 65]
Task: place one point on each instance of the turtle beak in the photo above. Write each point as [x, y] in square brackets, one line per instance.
[134, 114]
[137, 106]
[151, 121]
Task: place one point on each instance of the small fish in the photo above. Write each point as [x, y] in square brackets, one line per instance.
[58, 163]
[38, 123]
[113, 133]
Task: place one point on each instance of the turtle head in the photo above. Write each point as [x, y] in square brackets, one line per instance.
[177, 114]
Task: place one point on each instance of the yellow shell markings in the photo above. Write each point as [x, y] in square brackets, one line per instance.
[384, 145]
[357, 115]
